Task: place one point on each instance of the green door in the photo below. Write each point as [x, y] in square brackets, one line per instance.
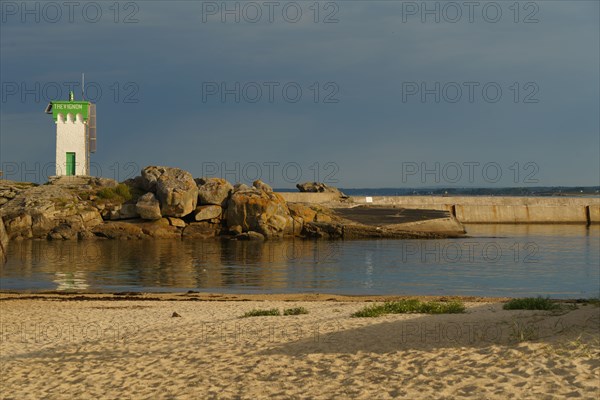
[70, 164]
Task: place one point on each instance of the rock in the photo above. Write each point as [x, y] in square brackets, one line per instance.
[262, 186]
[113, 212]
[90, 217]
[3, 243]
[240, 186]
[300, 210]
[136, 183]
[206, 213]
[175, 315]
[320, 217]
[175, 189]
[159, 229]
[63, 232]
[235, 229]
[321, 230]
[215, 191]
[201, 230]
[318, 187]
[41, 223]
[150, 176]
[148, 207]
[251, 236]
[19, 226]
[128, 211]
[86, 235]
[103, 182]
[259, 211]
[295, 229]
[176, 222]
[119, 230]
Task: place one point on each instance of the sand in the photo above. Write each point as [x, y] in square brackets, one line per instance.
[91, 347]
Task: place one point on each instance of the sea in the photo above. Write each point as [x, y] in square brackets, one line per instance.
[556, 261]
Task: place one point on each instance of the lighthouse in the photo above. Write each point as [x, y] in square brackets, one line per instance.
[75, 135]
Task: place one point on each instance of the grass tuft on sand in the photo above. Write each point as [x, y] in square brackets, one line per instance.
[295, 311]
[531, 303]
[410, 306]
[272, 312]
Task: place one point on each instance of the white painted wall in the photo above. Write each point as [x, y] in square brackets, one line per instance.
[70, 137]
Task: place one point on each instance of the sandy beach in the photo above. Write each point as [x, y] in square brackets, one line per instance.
[132, 347]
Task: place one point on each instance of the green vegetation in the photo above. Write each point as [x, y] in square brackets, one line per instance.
[121, 192]
[410, 306]
[262, 313]
[295, 311]
[274, 312]
[531, 303]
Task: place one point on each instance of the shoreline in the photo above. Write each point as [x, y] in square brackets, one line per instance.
[8, 295]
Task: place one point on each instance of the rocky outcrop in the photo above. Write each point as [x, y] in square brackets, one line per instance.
[168, 203]
[213, 191]
[148, 207]
[258, 210]
[42, 210]
[174, 188]
[318, 187]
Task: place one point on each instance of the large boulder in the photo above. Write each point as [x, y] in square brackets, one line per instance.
[213, 191]
[207, 213]
[175, 189]
[257, 210]
[262, 186]
[318, 187]
[148, 207]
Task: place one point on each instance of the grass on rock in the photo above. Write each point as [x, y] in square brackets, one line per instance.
[121, 191]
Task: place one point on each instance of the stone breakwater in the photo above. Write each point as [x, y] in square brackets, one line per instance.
[481, 209]
[165, 202]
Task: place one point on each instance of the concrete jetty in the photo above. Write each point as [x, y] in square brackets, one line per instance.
[480, 209]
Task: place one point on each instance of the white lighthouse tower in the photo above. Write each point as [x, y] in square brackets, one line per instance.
[75, 135]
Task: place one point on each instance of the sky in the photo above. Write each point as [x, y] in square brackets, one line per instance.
[357, 94]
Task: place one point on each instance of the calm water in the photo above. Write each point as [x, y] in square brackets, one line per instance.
[558, 261]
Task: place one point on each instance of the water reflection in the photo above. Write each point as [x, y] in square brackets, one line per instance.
[501, 260]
